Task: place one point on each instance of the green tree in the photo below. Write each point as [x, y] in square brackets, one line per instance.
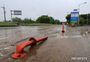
[17, 20]
[45, 19]
[57, 21]
[68, 18]
[86, 17]
[82, 21]
[52, 21]
[28, 21]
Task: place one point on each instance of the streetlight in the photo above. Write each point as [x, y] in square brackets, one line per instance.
[79, 9]
[81, 4]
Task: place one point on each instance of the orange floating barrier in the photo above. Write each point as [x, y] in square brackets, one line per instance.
[19, 48]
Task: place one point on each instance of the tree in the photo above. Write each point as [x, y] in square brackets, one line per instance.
[68, 18]
[57, 21]
[45, 19]
[52, 21]
[17, 20]
[82, 21]
[86, 17]
[28, 21]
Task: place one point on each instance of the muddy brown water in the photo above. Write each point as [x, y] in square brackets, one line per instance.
[71, 46]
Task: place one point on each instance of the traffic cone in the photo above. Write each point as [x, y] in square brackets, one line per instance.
[63, 28]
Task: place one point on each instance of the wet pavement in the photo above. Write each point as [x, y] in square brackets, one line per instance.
[71, 46]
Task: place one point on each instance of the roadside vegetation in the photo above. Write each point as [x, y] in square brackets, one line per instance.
[3, 24]
[43, 20]
[84, 19]
[39, 24]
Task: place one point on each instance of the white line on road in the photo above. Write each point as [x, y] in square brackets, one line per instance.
[3, 38]
[78, 36]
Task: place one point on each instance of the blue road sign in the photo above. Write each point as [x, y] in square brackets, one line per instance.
[74, 17]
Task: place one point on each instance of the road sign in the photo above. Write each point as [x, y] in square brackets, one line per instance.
[17, 12]
[74, 16]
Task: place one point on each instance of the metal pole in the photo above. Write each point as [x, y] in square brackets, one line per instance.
[79, 17]
[79, 13]
[4, 13]
[11, 15]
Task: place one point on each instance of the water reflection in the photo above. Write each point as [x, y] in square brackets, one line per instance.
[12, 35]
[62, 33]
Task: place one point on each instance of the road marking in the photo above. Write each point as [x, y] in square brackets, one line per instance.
[79, 58]
[78, 36]
[3, 38]
[7, 47]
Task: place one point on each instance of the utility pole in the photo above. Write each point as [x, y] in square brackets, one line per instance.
[11, 15]
[4, 13]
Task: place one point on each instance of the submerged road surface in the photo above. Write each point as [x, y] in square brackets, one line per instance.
[71, 46]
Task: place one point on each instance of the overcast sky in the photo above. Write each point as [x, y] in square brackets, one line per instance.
[35, 8]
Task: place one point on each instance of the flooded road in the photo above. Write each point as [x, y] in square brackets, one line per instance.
[71, 46]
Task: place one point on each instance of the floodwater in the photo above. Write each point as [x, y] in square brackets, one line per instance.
[71, 46]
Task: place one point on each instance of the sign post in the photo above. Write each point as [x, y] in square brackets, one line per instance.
[74, 16]
[15, 12]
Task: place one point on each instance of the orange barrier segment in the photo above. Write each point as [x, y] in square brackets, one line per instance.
[19, 48]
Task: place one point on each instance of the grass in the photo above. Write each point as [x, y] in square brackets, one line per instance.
[7, 24]
[40, 24]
